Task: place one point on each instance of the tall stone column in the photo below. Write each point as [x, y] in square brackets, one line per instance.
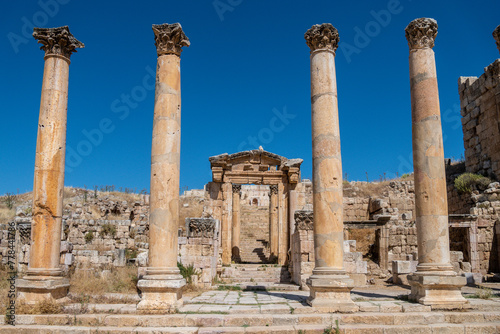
[273, 223]
[496, 36]
[435, 283]
[292, 206]
[283, 226]
[162, 285]
[235, 240]
[329, 285]
[44, 277]
[227, 217]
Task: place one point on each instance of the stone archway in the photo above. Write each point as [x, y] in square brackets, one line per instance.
[230, 171]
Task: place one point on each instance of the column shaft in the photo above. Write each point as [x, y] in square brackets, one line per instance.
[48, 184]
[282, 219]
[435, 283]
[165, 166]
[327, 165]
[235, 235]
[227, 217]
[43, 278]
[273, 223]
[329, 285]
[428, 160]
[161, 287]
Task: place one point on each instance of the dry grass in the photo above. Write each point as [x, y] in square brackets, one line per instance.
[116, 195]
[47, 306]
[372, 189]
[6, 214]
[121, 280]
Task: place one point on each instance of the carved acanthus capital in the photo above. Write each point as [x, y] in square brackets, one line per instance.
[57, 41]
[322, 36]
[421, 33]
[236, 188]
[273, 189]
[496, 36]
[304, 220]
[169, 39]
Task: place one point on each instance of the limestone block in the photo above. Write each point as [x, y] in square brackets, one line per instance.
[404, 267]
[66, 247]
[68, 259]
[456, 256]
[466, 267]
[120, 258]
[349, 246]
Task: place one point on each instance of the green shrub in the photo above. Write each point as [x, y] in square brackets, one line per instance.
[89, 237]
[131, 253]
[187, 272]
[9, 200]
[468, 182]
[108, 229]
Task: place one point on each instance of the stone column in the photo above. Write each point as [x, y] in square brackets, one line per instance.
[226, 235]
[496, 36]
[235, 240]
[292, 206]
[273, 223]
[44, 277]
[435, 283]
[329, 285]
[282, 224]
[162, 285]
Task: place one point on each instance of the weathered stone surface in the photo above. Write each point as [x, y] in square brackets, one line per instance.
[162, 285]
[58, 44]
[430, 176]
[421, 33]
[169, 39]
[57, 41]
[328, 282]
[496, 36]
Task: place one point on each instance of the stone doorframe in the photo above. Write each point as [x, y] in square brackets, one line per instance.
[471, 223]
[230, 171]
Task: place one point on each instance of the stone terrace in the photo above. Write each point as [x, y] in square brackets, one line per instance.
[380, 311]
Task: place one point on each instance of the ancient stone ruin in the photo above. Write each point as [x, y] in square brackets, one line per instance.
[257, 221]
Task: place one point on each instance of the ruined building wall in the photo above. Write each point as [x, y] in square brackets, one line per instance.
[480, 109]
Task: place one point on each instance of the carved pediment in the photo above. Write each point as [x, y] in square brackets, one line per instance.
[255, 163]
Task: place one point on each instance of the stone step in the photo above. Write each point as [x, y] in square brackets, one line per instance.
[426, 322]
[309, 329]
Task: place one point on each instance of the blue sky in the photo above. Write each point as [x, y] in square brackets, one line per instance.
[245, 82]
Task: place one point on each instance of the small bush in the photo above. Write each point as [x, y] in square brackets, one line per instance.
[130, 253]
[46, 306]
[9, 200]
[187, 272]
[468, 182]
[108, 229]
[89, 237]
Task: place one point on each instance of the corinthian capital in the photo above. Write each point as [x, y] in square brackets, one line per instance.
[421, 33]
[57, 41]
[169, 39]
[496, 36]
[322, 36]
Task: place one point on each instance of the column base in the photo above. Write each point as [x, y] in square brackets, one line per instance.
[160, 293]
[439, 291]
[34, 289]
[331, 293]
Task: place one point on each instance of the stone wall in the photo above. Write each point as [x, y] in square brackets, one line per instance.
[302, 253]
[199, 247]
[480, 103]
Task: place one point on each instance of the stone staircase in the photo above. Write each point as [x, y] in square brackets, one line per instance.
[267, 322]
[254, 237]
[249, 274]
